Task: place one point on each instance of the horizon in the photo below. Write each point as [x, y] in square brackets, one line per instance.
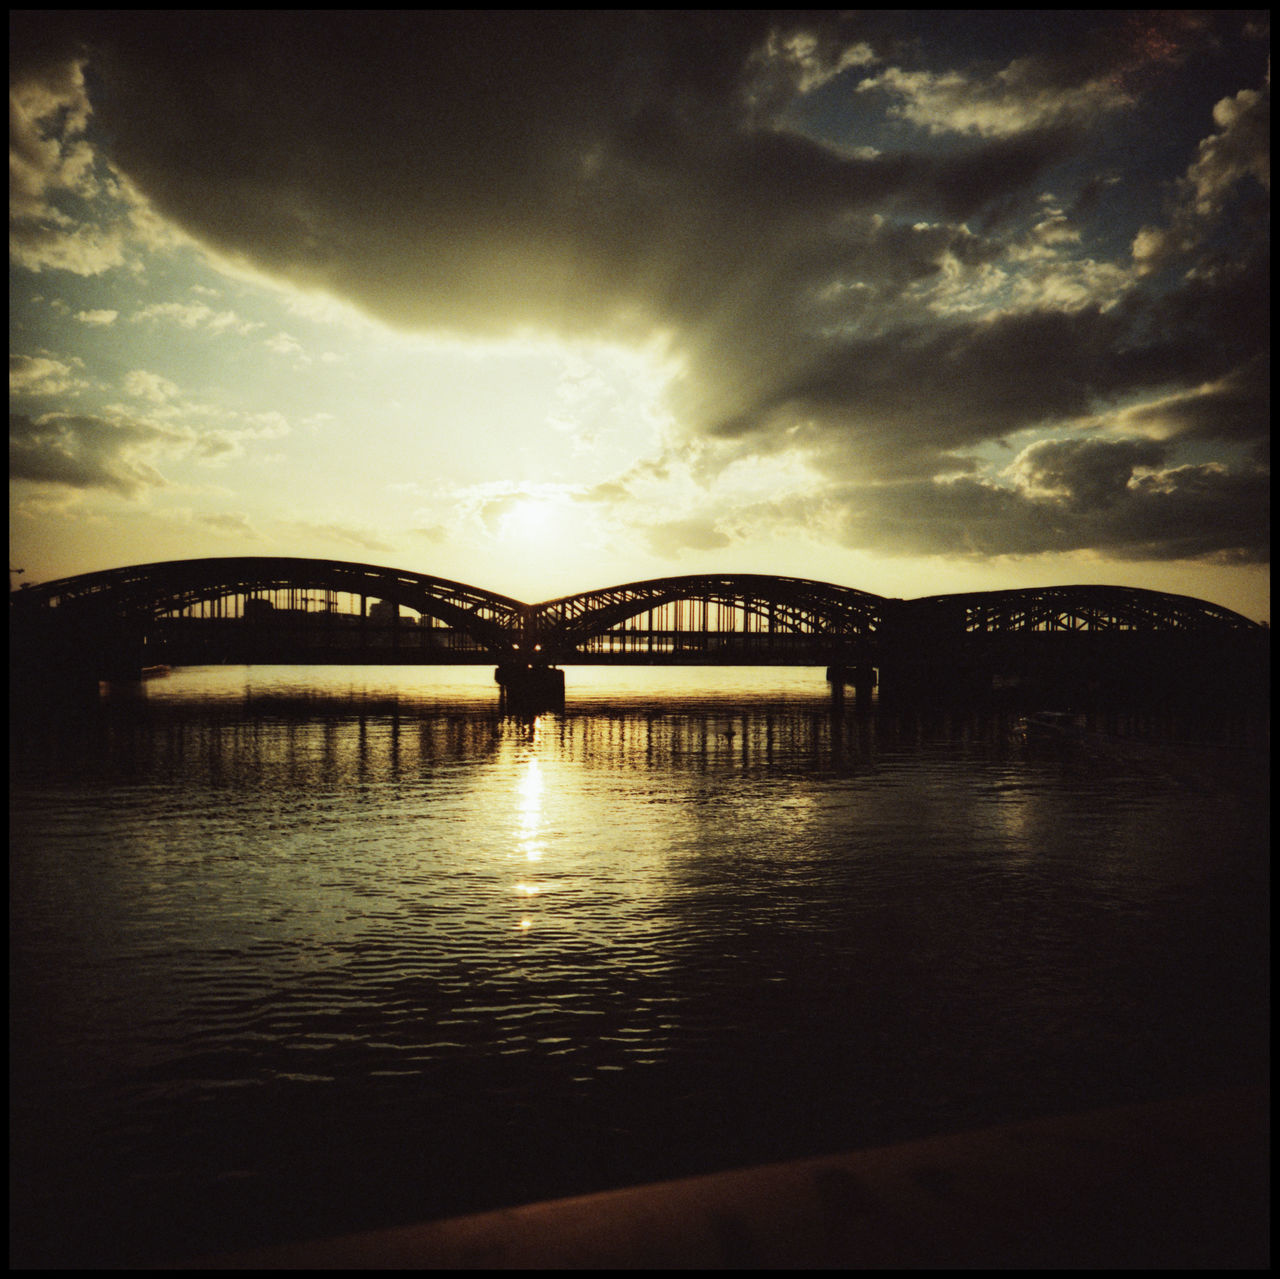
[920, 302]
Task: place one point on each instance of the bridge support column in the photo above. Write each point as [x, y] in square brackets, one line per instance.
[860, 676]
[530, 688]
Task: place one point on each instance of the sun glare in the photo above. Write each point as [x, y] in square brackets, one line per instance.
[530, 519]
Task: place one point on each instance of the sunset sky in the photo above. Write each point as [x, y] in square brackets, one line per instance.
[910, 301]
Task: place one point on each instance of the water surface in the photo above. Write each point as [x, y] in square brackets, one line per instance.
[305, 951]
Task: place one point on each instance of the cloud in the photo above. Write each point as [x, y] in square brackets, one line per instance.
[118, 450]
[1014, 100]
[48, 111]
[339, 534]
[672, 537]
[283, 344]
[1191, 512]
[219, 445]
[490, 509]
[1084, 474]
[196, 315]
[97, 318]
[41, 375]
[1226, 160]
[796, 61]
[1118, 498]
[894, 311]
[1075, 78]
[226, 524]
[1240, 149]
[52, 165]
[86, 451]
[82, 250]
[149, 386]
[602, 182]
[1235, 409]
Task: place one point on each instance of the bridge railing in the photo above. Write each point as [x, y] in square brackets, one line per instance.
[315, 631]
[730, 646]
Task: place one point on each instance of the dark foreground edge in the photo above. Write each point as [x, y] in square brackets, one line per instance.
[1182, 1184]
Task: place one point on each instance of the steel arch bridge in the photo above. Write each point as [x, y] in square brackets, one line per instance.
[260, 609]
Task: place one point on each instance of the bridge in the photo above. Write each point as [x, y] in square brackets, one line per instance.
[277, 610]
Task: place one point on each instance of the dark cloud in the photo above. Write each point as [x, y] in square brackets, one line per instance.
[584, 170]
[1192, 512]
[1236, 409]
[1086, 474]
[86, 451]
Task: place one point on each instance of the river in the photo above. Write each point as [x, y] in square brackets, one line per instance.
[297, 952]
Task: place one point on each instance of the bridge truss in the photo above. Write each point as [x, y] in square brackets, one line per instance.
[303, 611]
[738, 617]
[1073, 609]
[297, 598]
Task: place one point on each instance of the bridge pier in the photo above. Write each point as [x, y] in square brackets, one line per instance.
[530, 688]
[862, 678]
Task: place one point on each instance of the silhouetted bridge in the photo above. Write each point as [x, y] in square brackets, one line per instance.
[272, 610]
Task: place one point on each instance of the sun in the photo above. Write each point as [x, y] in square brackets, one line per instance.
[530, 519]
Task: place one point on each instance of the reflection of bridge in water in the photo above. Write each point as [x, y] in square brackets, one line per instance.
[1106, 640]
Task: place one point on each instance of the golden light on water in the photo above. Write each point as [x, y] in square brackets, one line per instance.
[529, 841]
[529, 828]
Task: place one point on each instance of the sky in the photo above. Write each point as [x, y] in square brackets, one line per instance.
[911, 301]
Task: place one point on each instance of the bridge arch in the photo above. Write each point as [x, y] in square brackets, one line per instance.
[1066, 645]
[139, 597]
[739, 613]
[1070, 609]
